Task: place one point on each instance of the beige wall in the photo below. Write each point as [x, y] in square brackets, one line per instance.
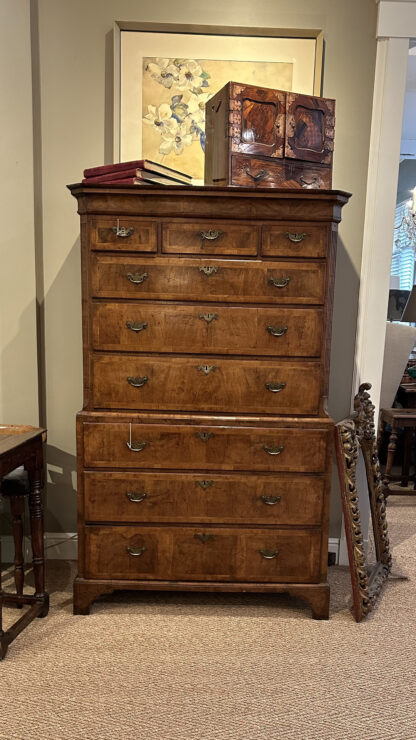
[18, 342]
[74, 112]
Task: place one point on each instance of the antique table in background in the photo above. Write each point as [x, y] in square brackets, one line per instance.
[23, 446]
[398, 419]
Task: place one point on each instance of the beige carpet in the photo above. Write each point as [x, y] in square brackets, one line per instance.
[225, 667]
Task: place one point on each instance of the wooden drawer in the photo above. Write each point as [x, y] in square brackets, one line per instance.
[208, 447]
[204, 237]
[214, 498]
[293, 239]
[194, 553]
[127, 234]
[205, 383]
[151, 327]
[206, 280]
[252, 172]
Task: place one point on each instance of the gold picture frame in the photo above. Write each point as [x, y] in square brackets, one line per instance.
[134, 42]
[352, 434]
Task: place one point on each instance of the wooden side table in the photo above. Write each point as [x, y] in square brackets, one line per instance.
[398, 419]
[23, 446]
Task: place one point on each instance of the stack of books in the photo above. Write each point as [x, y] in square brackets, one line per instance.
[137, 172]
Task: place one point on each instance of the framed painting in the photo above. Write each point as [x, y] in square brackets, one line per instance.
[352, 435]
[165, 74]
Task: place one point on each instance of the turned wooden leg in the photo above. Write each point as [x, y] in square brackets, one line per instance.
[17, 507]
[36, 530]
[408, 437]
[390, 457]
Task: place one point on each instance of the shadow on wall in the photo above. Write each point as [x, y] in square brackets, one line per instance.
[344, 329]
[60, 360]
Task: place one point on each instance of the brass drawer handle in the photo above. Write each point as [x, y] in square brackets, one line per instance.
[296, 238]
[138, 382]
[135, 326]
[135, 552]
[273, 449]
[136, 446]
[277, 331]
[136, 277]
[275, 387]
[205, 436]
[269, 554]
[135, 497]
[204, 537]
[206, 369]
[261, 174]
[210, 235]
[122, 232]
[208, 270]
[204, 484]
[314, 183]
[279, 282]
[208, 317]
[270, 500]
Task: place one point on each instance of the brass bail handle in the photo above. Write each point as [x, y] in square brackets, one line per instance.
[279, 282]
[121, 231]
[295, 237]
[269, 554]
[135, 552]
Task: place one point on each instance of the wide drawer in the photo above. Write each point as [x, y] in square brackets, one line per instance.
[253, 172]
[203, 237]
[142, 327]
[230, 281]
[293, 239]
[194, 553]
[127, 234]
[205, 384]
[214, 498]
[208, 447]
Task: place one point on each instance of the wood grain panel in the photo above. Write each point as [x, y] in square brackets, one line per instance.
[142, 327]
[254, 172]
[188, 237]
[295, 239]
[191, 447]
[127, 234]
[206, 279]
[192, 553]
[206, 383]
[214, 498]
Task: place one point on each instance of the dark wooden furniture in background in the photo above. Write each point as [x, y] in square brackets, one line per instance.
[23, 446]
[204, 447]
[408, 392]
[256, 136]
[398, 419]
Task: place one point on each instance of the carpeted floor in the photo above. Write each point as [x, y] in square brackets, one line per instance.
[169, 666]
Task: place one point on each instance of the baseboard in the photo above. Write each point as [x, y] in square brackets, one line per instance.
[64, 546]
[58, 546]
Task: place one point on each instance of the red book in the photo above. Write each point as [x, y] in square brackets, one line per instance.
[113, 181]
[121, 169]
[106, 169]
[110, 176]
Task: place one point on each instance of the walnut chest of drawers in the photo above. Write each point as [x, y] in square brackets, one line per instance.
[204, 447]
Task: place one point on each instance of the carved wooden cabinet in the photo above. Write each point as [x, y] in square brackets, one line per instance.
[256, 136]
[204, 446]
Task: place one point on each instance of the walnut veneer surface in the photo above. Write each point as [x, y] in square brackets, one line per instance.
[204, 447]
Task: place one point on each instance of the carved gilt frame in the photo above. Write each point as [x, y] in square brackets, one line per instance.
[352, 434]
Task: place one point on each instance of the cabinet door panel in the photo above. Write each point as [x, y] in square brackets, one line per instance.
[256, 120]
[310, 126]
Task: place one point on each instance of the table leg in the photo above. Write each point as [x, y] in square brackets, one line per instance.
[36, 530]
[17, 506]
[408, 436]
[390, 457]
[3, 643]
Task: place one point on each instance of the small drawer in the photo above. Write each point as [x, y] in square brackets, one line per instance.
[261, 173]
[210, 498]
[210, 238]
[295, 240]
[128, 234]
[150, 327]
[206, 279]
[195, 553]
[209, 447]
[205, 383]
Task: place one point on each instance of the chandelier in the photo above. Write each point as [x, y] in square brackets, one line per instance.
[407, 226]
